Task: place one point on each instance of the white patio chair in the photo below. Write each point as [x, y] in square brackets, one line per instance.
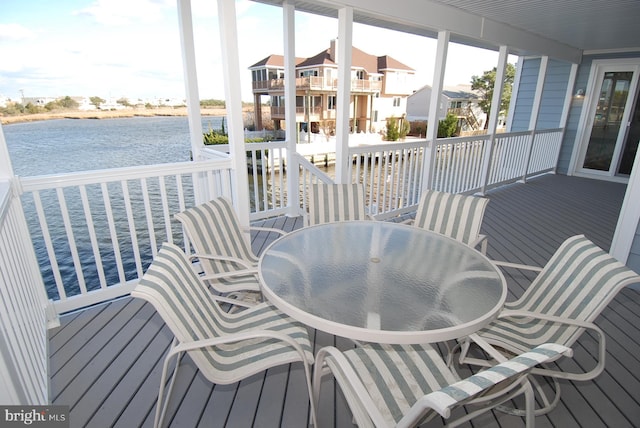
[404, 385]
[559, 305]
[221, 247]
[225, 347]
[336, 202]
[454, 215]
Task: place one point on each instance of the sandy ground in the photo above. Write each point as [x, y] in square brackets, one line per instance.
[110, 114]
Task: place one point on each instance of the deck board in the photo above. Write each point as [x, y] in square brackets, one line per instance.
[106, 361]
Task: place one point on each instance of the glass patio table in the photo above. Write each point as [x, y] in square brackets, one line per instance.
[381, 282]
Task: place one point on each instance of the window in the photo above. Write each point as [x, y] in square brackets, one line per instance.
[360, 74]
[331, 102]
[396, 101]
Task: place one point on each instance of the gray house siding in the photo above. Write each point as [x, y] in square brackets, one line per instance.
[556, 81]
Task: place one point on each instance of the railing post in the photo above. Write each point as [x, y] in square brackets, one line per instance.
[535, 112]
[492, 127]
[345, 36]
[233, 100]
[434, 109]
[293, 176]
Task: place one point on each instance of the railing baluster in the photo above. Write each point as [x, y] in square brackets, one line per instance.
[92, 236]
[46, 236]
[113, 232]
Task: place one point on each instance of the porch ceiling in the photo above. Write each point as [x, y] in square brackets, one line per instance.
[562, 29]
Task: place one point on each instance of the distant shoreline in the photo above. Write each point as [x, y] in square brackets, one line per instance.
[112, 114]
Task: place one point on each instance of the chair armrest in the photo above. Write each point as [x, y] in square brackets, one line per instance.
[265, 229]
[243, 263]
[481, 240]
[600, 336]
[467, 389]
[517, 266]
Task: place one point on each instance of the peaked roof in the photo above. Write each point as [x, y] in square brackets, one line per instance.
[359, 59]
[274, 61]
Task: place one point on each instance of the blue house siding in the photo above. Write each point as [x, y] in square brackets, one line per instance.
[556, 81]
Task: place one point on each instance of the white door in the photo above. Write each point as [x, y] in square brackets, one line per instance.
[611, 119]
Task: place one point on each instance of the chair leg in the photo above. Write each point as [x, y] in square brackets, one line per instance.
[162, 403]
[547, 405]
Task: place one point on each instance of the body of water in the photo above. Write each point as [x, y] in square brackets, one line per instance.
[69, 145]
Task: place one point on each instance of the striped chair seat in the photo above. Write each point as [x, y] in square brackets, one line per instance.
[225, 347]
[454, 215]
[229, 264]
[403, 385]
[336, 202]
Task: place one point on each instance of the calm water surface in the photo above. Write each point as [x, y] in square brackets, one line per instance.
[69, 145]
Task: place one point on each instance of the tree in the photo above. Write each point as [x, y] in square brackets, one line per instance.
[96, 101]
[68, 102]
[448, 126]
[485, 84]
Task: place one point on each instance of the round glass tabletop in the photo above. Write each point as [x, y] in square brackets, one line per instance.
[381, 282]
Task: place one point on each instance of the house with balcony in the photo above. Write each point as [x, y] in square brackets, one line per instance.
[459, 101]
[566, 164]
[379, 89]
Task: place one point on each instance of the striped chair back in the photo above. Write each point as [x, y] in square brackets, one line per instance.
[175, 290]
[213, 228]
[454, 215]
[577, 283]
[336, 202]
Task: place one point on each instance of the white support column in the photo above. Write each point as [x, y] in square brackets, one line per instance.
[6, 169]
[495, 113]
[293, 178]
[535, 112]
[434, 108]
[185, 22]
[629, 217]
[233, 101]
[345, 40]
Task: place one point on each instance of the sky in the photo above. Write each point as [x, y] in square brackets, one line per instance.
[131, 48]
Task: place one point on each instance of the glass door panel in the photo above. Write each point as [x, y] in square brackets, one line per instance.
[607, 120]
[631, 142]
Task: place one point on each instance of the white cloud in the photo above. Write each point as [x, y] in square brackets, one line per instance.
[15, 32]
[123, 12]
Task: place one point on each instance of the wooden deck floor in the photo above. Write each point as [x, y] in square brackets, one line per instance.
[106, 361]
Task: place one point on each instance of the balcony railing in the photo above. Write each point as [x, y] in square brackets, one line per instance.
[95, 232]
[318, 83]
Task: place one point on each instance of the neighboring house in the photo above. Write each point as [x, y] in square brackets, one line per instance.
[380, 86]
[459, 100]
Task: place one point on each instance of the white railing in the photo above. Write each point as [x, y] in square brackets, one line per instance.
[97, 231]
[458, 164]
[267, 182]
[24, 314]
[478, 163]
[391, 175]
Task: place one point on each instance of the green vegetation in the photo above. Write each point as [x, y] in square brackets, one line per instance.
[96, 101]
[219, 136]
[485, 83]
[448, 127]
[397, 128]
